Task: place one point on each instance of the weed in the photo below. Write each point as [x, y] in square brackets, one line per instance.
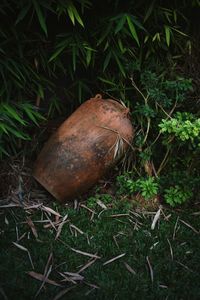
[176, 195]
[125, 184]
[147, 187]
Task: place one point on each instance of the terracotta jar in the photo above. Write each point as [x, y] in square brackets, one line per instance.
[83, 148]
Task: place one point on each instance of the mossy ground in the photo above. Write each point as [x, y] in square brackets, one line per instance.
[156, 264]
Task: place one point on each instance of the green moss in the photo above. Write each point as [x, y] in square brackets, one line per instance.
[175, 270]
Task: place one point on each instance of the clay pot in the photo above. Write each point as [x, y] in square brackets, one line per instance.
[83, 148]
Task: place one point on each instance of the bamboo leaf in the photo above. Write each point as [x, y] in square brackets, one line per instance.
[20, 247]
[17, 133]
[40, 16]
[119, 64]
[3, 128]
[180, 32]
[88, 56]
[106, 61]
[77, 16]
[23, 13]
[107, 81]
[146, 39]
[132, 30]
[42, 278]
[122, 49]
[41, 92]
[13, 72]
[175, 16]
[33, 115]
[57, 53]
[120, 24]
[156, 37]
[149, 11]
[71, 14]
[105, 33]
[136, 22]
[13, 113]
[167, 34]
[51, 211]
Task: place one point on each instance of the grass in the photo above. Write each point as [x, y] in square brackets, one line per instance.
[150, 264]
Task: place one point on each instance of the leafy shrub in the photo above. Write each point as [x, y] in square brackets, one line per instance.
[147, 187]
[183, 126]
[176, 195]
[126, 185]
[163, 91]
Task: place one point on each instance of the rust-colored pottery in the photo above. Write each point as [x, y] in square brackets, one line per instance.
[83, 148]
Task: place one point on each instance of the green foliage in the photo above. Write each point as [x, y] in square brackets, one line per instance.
[85, 47]
[176, 195]
[147, 187]
[14, 122]
[167, 139]
[125, 184]
[55, 54]
[163, 91]
[183, 126]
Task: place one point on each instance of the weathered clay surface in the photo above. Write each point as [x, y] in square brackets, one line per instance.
[83, 148]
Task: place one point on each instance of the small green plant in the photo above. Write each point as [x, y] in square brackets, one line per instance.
[126, 185]
[184, 126]
[176, 195]
[163, 91]
[147, 187]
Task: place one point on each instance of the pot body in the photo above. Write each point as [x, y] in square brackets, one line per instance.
[83, 148]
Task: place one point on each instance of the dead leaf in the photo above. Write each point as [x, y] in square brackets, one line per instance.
[89, 263]
[60, 226]
[129, 268]
[150, 269]
[51, 211]
[74, 276]
[113, 259]
[101, 204]
[20, 247]
[190, 226]
[76, 228]
[85, 253]
[26, 250]
[41, 277]
[32, 226]
[155, 219]
[119, 215]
